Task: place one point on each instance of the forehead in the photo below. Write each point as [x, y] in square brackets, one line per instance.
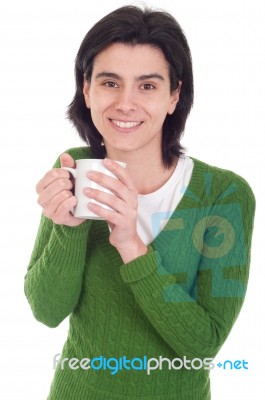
[126, 58]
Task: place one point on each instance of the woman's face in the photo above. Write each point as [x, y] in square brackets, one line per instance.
[129, 98]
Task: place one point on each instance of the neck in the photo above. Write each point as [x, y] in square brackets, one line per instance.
[147, 173]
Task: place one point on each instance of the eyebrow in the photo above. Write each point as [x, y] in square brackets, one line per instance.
[105, 74]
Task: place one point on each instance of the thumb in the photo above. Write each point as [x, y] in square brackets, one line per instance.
[67, 161]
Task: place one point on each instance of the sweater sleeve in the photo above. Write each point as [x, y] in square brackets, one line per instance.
[53, 280]
[197, 324]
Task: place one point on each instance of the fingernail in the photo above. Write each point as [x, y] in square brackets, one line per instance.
[90, 174]
[87, 190]
[107, 161]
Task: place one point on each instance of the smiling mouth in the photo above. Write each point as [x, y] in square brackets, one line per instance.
[125, 124]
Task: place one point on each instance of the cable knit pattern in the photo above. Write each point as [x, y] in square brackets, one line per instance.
[180, 299]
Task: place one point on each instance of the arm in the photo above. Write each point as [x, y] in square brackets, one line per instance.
[197, 324]
[54, 277]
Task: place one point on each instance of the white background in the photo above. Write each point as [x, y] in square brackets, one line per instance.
[39, 41]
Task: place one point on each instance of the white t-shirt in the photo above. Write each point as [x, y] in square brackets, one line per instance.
[155, 209]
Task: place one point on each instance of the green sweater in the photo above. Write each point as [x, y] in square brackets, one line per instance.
[178, 302]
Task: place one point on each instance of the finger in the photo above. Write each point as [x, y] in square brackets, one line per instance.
[117, 187]
[60, 205]
[108, 199]
[120, 172]
[63, 213]
[67, 161]
[108, 182]
[120, 211]
[112, 217]
[53, 189]
[50, 177]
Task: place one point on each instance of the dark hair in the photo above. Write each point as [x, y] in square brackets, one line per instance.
[132, 25]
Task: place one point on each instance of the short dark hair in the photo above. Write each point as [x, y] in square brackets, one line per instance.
[132, 25]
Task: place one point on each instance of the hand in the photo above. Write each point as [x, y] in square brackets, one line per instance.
[55, 195]
[124, 201]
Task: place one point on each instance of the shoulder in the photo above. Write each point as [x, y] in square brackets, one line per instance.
[76, 153]
[223, 184]
[80, 152]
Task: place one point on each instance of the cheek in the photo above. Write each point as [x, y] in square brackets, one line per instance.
[159, 112]
[99, 102]
[96, 118]
[99, 115]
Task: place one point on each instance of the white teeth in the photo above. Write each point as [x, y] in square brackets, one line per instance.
[122, 124]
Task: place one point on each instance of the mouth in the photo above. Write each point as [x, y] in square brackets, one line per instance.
[125, 124]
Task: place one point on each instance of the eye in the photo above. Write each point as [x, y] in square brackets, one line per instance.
[147, 86]
[110, 84]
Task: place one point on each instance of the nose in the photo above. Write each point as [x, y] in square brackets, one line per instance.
[125, 101]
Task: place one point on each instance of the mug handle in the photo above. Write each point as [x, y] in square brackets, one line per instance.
[71, 170]
[73, 173]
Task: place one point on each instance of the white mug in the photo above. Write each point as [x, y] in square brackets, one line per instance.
[82, 181]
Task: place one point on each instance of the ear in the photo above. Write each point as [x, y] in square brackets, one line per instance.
[174, 99]
[86, 90]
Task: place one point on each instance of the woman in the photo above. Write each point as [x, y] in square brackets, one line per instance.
[154, 289]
